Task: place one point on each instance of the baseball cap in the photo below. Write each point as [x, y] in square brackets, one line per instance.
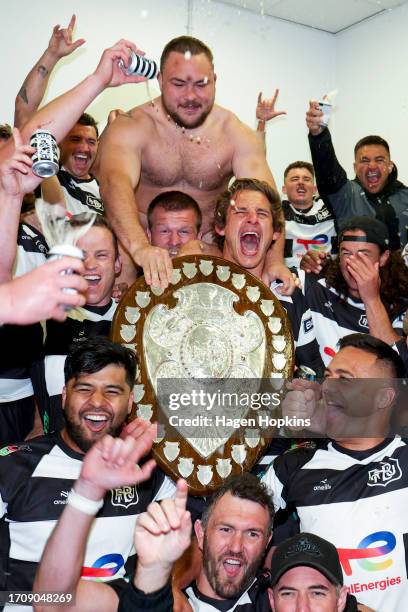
[310, 550]
[375, 231]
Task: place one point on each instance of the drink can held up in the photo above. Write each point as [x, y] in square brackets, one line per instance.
[140, 66]
[46, 156]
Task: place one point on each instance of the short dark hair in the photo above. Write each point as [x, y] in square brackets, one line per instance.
[96, 353]
[86, 119]
[174, 201]
[100, 221]
[6, 131]
[382, 351]
[299, 164]
[371, 140]
[244, 486]
[184, 44]
[245, 184]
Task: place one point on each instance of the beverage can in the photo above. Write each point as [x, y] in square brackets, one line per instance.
[46, 156]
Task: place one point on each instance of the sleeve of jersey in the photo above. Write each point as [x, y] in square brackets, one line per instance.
[3, 507]
[330, 176]
[133, 600]
[402, 350]
[307, 349]
[274, 485]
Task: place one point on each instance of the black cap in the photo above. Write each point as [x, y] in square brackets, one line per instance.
[376, 231]
[310, 550]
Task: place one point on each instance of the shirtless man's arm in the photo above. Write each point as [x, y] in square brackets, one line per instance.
[249, 161]
[118, 168]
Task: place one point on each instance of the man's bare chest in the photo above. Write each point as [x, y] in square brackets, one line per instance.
[202, 163]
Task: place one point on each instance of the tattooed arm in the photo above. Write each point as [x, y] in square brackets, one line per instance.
[32, 90]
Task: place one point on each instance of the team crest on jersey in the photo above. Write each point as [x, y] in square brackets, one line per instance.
[307, 325]
[363, 321]
[94, 203]
[124, 496]
[388, 471]
[12, 448]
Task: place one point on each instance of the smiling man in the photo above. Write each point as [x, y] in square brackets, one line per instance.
[181, 141]
[102, 266]
[375, 191]
[350, 488]
[36, 477]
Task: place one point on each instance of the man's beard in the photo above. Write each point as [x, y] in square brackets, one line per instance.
[228, 589]
[76, 433]
[179, 121]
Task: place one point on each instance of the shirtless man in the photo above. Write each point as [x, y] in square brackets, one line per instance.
[180, 141]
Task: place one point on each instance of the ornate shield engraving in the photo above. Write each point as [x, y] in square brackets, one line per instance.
[213, 322]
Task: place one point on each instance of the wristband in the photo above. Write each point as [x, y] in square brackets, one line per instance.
[84, 504]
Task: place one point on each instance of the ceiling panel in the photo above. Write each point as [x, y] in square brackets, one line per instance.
[328, 15]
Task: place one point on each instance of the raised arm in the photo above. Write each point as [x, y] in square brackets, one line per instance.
[33, 89]
[62, 113]
[111, 463]
[330, 176]
[118, 167]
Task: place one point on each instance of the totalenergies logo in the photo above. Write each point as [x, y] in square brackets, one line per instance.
[104, 567]
[318, 243]
[374, 545]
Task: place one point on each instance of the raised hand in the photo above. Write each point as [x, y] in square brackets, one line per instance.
[163, 533]
[265, 109]
[302, 402]
[61, 43]
[15, 173]
[113, 462]
[108, 69]
[156, 264]
[314, 118]
[312, 261]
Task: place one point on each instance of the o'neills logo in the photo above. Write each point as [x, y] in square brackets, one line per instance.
[304, 546]
[124, 496]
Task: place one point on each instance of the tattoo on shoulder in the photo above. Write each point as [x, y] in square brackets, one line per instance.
[42, 70]
[23, 93]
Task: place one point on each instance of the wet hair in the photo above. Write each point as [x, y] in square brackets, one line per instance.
[393, 277]
[96, 353]
[172, 201]
[6, 131]
[382, 351]
[371, 140]
[244, 486]
[299, 164]
[86, 119]
[245, 184]
[100, 221]
[184, 44]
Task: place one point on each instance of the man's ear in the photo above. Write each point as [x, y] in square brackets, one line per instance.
[384, 258]
[275, 236]
[64, 396]
[118, 265]
[149, 235]
[284, 190]
[271, 600]
[199, 531]
[341, 602]
[130, 402]
[160, 79]
[384, 398]
[219, 230]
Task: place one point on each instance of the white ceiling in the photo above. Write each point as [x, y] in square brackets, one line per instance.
[329, 15]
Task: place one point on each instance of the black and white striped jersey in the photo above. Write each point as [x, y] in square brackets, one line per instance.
[304, 334]
[335, 317]
[358, 501]
[35, 478]
[81, 195]
[21, 345]
[305, 230]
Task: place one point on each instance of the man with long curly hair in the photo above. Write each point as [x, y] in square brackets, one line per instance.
[364, 290]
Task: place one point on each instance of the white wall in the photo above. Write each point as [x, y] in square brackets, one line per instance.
[251, 54]
[372, 61]
[367, 63]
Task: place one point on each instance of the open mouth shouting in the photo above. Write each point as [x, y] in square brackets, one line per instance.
[373, 178]
[249, 242]
[96, 421]
[93, 279]
[232, 566]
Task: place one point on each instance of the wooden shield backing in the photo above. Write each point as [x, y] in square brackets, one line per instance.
[146, 322]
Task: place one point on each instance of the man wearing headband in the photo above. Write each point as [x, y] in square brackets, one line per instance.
[363, 290]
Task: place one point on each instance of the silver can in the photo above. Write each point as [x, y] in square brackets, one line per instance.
[140, 66]
[46, 156]
[305, 373]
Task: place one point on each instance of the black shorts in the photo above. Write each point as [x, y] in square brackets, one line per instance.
[16, 420]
